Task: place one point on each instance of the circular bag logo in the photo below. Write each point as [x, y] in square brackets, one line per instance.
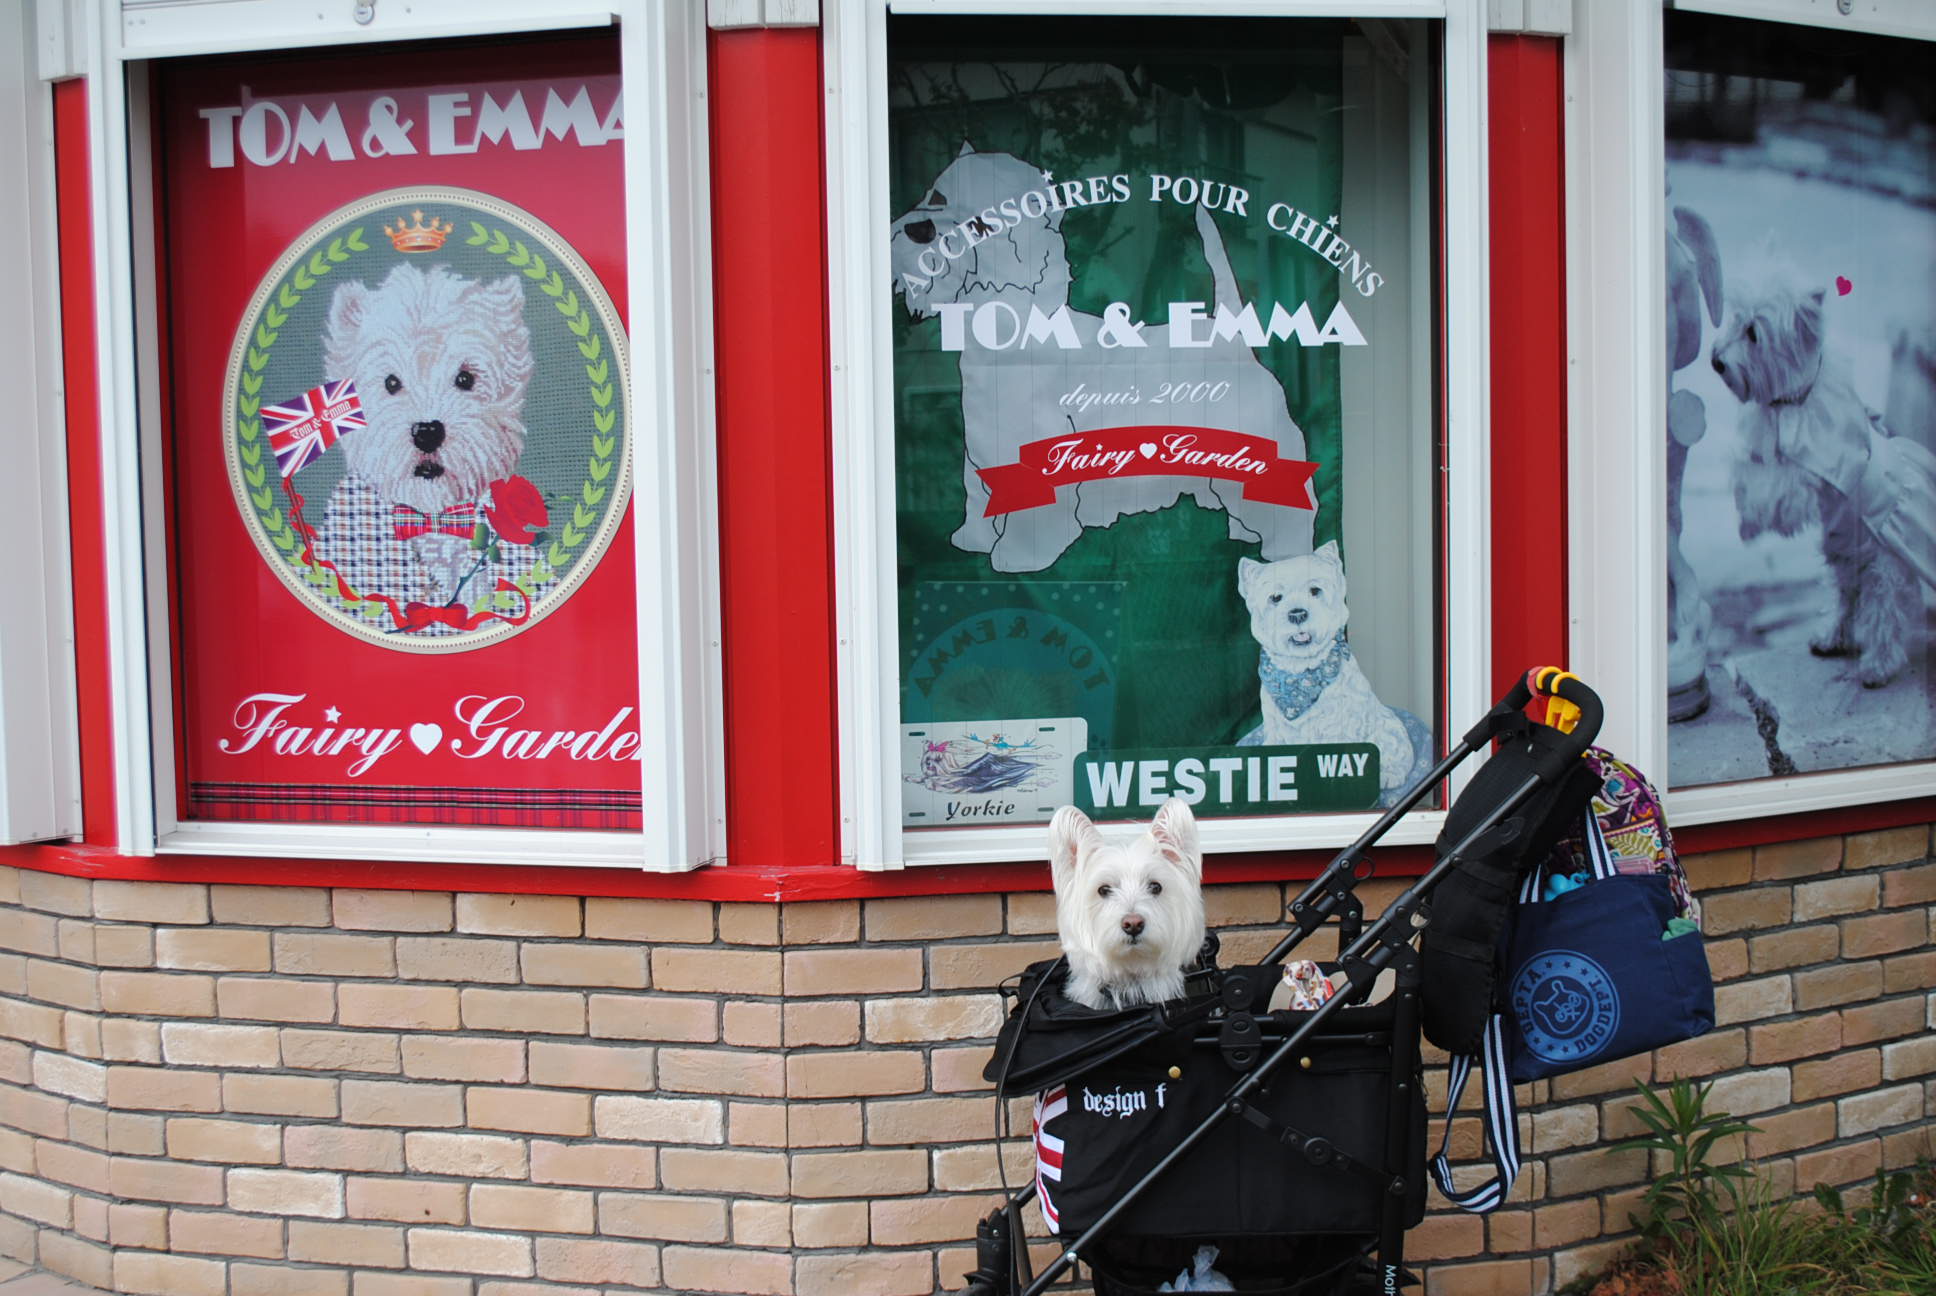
[426, 419]
[1566, 1006]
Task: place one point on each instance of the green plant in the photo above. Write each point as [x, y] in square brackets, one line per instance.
[1684, 1132]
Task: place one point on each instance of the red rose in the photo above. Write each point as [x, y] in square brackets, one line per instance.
[516, 510]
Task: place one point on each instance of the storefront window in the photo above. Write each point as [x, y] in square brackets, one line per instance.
[1166, 414]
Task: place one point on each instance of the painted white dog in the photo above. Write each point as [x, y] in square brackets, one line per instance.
[442, 364]
[1008, 402]
[1311, 688]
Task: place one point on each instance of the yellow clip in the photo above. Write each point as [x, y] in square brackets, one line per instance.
[1560, 714]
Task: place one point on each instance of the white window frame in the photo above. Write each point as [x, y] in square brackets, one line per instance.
[1617, 391]
[855, 43]
[669, 323]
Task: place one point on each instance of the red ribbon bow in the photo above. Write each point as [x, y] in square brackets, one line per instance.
[458, 520]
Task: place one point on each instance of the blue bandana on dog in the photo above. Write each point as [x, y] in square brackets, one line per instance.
[1296, 692]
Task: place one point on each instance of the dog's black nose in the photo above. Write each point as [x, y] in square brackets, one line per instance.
[1133, 925]
[919, 231]
[1298, 616]
[427, 436]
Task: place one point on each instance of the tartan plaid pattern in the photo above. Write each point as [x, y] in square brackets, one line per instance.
[586, 808]
[359, 538]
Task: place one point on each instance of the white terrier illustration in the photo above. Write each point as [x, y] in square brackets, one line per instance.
[1130, 915]
[442, 364]
[1311, 688]
[1806, 437]
[1021, 263]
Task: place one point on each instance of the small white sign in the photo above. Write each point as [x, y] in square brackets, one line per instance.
[988, 771]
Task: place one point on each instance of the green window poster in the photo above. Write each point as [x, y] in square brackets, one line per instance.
[1163, 413]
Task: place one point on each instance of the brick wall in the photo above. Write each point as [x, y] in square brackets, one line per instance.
[246, 1091]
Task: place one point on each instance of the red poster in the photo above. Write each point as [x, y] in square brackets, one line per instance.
[401, 561]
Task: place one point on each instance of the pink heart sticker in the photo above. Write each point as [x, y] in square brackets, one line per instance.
[1842, 286]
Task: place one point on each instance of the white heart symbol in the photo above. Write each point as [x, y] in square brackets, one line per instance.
[1147, 449]
[425, 737]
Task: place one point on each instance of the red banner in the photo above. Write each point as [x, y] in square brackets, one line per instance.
[1152, 451]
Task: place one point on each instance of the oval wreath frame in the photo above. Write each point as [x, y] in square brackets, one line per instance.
[308, 260]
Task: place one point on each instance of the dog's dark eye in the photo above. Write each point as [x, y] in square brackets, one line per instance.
[1277, 598]
[1752, 336]
[393, 384]
[1317, 592]
[1104, 890]
[1156, 888]
[465, 380]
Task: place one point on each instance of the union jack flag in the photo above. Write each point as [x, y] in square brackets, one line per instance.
[1048, 1152]
[302, 430]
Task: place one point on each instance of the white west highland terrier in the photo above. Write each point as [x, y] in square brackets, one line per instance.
[1311, 687]
[1130, 915]
[442, 364]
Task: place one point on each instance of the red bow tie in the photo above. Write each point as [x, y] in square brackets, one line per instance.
[458, 520]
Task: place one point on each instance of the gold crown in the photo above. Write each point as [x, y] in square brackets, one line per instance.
[417, 236]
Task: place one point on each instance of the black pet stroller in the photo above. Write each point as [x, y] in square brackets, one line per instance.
[1291, 1141]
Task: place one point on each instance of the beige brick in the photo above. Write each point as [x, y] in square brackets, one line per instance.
[749, 924]
[45, 936]
[982, 966]
[1782, 861]
[158, 994]
[721, 1071]
[1909, 886]
[915, 1220]
[578, 1260]
[33, 1023]
[531, 1210]
[1885, 933]
[926, 918]
[599, 1165]
[1838, 984]
[287, 1192]
[1756, 909]
[31, 1199]
[319, 1050]
[717, 971]
[334, 954]
[967, 1168]
[829, 1224]
[1580, 1172]
[1847, 1164]
[1844, 1073]
[1745, 1001]
[382, 1284]
[405, 1007]
[900, 1273]
[1909, 972]
[390, 1102]
[1728, 959]
[398, 911]
[69, 987]
[884, 1173]
[213, 1045]
[720, 1269]
[469, 1251]
[944, 1017]
[1776, 951]
[847, 1075]
[1715, 870]
[165, 1181]
[1890, 1019]
[406, 1201]
[280, 1280]
[35, 1113]
[851, 971]
[650, 922]
[602, 1067]
[762, 1223]
[164, 1089]
[528, 1110]
[338, 1147]
[1890, 846]
[433, 1057]
[469, 1156]
[685, 1019]
[958, 1069]
[752, 1025]
[660, 1120]
[151, 902]
[546, 1012]
[266, 999]
[150, 1273]
[733, 1171]
[133, 1134]
[520, 915]
[1704, 1055]
[753, 1124]
[1868, 1112]
[73, 1258]
[279, 1095]
[661, 1217]
[1448, 1237]
[369, 1246]
[1909, 1059]
[926, 1121]
[1836, 896]
[585, 965]
[468, 959]
[1749, 1093]
[219, 1233]
[1786, 1041]
[193, 1138]
[269, 906]
[138, 1226]
[212, 949]
[1790, 1131]
[70, 1077]
[55, 893]
[1558, 1128]
[71, 1167]
[820, 922]
[829, 1023]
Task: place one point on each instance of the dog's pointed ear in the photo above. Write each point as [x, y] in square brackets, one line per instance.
[1329, 549]
[504, 299]
[967, 147]
[1070, 834]
[1247, 573]
[1175, 831]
